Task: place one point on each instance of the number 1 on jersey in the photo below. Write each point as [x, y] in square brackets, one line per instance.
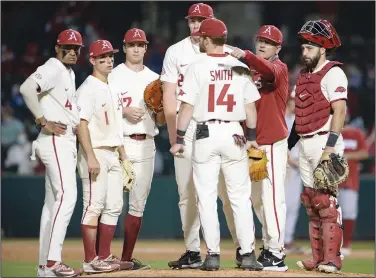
[230, 103]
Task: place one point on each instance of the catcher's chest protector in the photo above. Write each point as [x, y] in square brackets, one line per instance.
[312, 108]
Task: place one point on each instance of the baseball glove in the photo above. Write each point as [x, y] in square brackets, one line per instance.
[153, 96]
[331, 171]
[257, 164]
[129, 175]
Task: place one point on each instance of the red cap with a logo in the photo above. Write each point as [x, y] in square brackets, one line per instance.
[100, 47]
[271, 33]
[135, 35]
[212, 28]
[200, 10]
[69, 37]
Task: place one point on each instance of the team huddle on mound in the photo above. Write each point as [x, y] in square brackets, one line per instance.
[228, 134]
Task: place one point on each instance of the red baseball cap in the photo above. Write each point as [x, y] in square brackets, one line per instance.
[69, 37]
[200, 10]
[100, 47]
[135, 35]
[211, 27]
[271, 33]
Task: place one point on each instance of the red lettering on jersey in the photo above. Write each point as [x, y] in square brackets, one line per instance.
[106, 116]
[181, 93]
[127, 101]
[230, 103]
[221, 75]
[68, 105]
[340, 89]
[181, 79]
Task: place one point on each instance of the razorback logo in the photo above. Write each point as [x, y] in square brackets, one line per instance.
[181, 93]
[340, 89]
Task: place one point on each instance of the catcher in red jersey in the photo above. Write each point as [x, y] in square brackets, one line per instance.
[268, 195]
[320, 104]
[355, 150]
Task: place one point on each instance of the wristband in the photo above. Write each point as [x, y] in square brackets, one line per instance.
[332, 139]
[251, 134]
[180, 136]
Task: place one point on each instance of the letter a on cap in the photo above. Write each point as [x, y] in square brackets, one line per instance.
[267, 30]
[197, 9]
[105, 45]
[72, 36]
[137, 33]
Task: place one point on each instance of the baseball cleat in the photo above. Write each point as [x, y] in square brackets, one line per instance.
[138, 265]
[189, 259]
[249, 262]
[99, 266]
[273, 263]
[328, 268]
[211, 263]
[124, 265]
[60, 270]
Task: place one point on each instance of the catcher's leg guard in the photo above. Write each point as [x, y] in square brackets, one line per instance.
[314, 231]
[331, 232]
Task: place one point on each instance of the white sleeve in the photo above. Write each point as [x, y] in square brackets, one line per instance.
[251, 94]
[85, 103]
[336, 84]
[170, 70]
[191, 86]
[45, 76]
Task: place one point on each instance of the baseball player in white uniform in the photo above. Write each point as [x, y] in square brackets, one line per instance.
[219, 99]
[129, 80]
[50, 94]
[101, 148]
[175, 64]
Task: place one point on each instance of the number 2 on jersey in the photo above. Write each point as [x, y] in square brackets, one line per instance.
[220, 101]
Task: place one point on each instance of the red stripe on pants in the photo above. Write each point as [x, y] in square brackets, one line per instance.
[82, 221]
[275, 209]
[62, 188]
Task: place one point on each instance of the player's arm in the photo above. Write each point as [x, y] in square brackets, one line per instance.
[29, 90]
[86, 104]
[169, 77]
[122, 154]
[251, 95]
[337, 91]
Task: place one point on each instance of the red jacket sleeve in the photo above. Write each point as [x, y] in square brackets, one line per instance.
[268, 70]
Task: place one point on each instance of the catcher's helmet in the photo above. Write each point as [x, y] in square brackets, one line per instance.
[321, 33]
[69, 37]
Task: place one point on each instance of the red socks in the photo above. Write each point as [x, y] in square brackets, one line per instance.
[348, 229]
[106, 235]
[89, 235]
[132, 227]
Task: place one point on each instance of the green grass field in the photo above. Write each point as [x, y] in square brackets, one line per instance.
[19, 257]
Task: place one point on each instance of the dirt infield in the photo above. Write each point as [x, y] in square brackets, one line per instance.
[27, 251]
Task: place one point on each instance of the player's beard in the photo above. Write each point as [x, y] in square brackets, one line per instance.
[311, 63]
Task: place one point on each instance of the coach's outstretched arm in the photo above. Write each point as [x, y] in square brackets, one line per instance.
[84, 139]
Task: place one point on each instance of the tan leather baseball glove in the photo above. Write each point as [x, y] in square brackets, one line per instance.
[153, 96]
[331, 171]
[257, 162]
[129, 175]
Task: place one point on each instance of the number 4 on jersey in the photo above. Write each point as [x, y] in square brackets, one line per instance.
[68, 104]
[230, 103]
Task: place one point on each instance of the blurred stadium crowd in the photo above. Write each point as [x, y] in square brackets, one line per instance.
[29, 31]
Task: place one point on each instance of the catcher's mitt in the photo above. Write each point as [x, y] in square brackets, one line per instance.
[153, 96]
[331, 171]
[257, 164]
[129, 175]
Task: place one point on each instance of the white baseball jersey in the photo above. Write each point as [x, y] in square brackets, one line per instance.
[215, 91]
[57, 97]
[177, 58]
[102, 108]
[333, 86]
[130, 85]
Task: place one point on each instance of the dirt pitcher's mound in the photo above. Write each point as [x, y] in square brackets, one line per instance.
[223, 272]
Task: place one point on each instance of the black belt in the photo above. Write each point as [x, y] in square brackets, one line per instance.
[311, 135]
[138, 136]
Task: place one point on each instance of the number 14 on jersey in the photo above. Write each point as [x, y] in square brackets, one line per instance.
[223, 99]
